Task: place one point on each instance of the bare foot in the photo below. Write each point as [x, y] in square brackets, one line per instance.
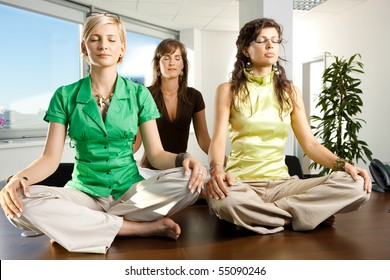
[165, 227]
[329, 221]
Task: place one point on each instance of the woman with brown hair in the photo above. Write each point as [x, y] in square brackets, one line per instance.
[179, 104]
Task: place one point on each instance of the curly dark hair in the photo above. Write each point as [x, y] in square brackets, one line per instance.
[282, 85]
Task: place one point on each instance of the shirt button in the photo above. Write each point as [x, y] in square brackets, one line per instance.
[110, 187]
[105, 147]
[107, 160]
[108, 172]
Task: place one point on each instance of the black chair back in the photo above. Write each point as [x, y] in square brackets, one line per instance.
[60, 177]
[294, 166]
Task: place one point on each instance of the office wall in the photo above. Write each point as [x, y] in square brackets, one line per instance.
[17, 155]
[218, 49]
[363, 29]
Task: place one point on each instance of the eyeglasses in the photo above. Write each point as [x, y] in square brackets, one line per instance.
[91, 14]
[264, 40]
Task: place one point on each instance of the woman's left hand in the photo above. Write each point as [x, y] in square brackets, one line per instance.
[356, 171]
[198, 173]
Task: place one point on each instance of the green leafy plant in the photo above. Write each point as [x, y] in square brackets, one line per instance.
[340, 103]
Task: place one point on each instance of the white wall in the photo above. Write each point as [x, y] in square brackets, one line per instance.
[17, 155]
[219, 52]
[363, 29]
[213, 68]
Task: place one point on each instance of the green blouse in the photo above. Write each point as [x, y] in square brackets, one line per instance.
[104, 161]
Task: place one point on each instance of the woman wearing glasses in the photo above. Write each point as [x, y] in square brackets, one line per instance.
[106, 196]
[177, 103]
[257, 108]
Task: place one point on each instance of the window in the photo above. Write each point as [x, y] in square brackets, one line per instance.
[137, 62]
[42, 52]
[39, 54]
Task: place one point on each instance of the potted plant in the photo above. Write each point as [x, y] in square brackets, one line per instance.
[340, 103]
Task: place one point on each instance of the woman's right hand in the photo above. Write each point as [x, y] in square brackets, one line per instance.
[9, 198]
[217, 186]
[39, 170]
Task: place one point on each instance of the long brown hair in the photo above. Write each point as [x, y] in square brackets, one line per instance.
[282, 85]
[167, 47]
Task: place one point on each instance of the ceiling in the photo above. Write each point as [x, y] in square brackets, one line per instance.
[210, 15]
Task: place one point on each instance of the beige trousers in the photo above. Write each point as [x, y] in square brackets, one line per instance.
[84, 223]
[264, 206]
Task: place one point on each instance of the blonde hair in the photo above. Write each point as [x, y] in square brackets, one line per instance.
[95, 21]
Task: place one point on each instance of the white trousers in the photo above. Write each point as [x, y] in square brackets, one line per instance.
[265, 206]
[83, 223]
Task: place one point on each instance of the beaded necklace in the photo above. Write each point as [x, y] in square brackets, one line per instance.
[103, 103]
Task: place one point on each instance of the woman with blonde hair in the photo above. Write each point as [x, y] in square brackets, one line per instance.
[106, 196]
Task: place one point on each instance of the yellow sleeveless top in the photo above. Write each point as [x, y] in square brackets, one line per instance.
[258, 134]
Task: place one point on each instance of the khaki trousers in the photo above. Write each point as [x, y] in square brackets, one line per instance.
[264, 206]
[84, 223]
